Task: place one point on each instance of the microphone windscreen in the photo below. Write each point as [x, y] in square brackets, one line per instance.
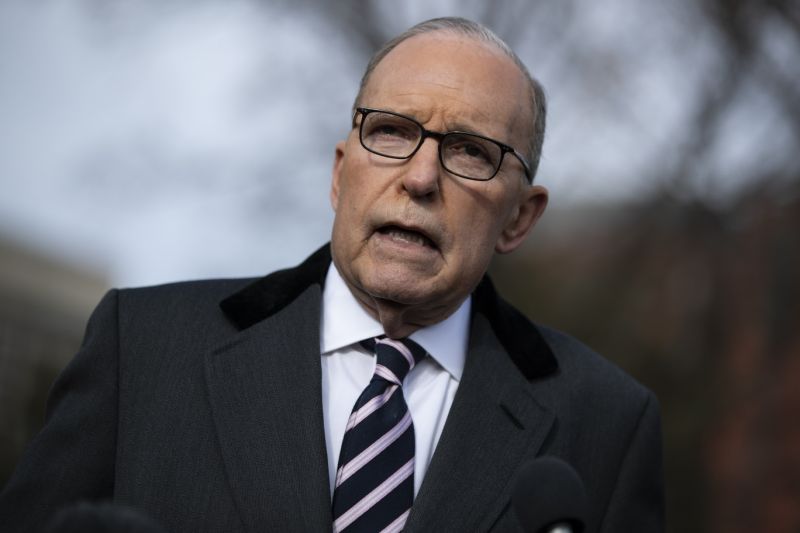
[548, 491]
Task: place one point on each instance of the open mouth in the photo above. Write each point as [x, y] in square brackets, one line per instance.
[407, 235]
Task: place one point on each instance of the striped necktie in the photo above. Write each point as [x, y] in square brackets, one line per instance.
[374, 486]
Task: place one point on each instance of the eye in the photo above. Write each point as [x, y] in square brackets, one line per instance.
[387, 129]
[466, 148]
[473, 150]
[380, 127]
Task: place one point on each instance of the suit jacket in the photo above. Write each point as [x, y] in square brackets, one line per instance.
[208, 416]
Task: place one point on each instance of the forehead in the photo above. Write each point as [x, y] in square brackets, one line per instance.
[453, 82]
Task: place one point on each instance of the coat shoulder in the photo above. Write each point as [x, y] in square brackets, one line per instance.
[193, 290]
[592, 374]
[199, 298]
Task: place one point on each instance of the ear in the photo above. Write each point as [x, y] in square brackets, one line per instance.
[532, 203]
[338, 158]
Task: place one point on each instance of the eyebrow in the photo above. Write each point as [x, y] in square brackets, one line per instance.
[459, 126]
[449, 125]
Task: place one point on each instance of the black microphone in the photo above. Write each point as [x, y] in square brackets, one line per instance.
[549, 497]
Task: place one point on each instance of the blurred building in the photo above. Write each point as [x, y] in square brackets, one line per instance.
[44, 305]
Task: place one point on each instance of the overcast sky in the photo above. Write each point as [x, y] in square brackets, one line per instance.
[154, 141]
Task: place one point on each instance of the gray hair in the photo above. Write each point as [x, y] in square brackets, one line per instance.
[474, 30]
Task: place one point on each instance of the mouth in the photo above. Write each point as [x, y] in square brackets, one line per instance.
[407, 236]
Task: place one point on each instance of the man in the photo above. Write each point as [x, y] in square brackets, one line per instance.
[236, 416]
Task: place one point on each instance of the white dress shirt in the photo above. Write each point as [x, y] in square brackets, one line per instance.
[347, 369]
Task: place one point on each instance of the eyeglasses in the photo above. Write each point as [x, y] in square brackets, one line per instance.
[467, 155]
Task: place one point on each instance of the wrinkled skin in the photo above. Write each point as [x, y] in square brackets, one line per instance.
[411, 240]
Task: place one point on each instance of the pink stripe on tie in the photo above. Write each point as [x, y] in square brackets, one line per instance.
[380, 492]
[374, 449]
[370, 407]
[397, 525]
[400, 347]
[387, 374]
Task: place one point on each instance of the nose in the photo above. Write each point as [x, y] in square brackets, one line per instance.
[422, 172]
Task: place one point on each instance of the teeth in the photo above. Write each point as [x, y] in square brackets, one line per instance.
[407, 236]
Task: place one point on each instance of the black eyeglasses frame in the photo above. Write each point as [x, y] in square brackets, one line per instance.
[439, 136]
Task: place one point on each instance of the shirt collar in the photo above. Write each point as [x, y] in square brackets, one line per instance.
[345, 322]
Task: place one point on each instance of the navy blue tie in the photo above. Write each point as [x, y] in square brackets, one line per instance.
[374, 486]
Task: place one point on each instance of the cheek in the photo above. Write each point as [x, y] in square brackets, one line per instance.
[349, 189]
[356, 202]
[475, 237]
[485, 220]
[479, 230]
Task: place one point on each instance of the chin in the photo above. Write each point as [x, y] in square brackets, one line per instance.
[399, 286]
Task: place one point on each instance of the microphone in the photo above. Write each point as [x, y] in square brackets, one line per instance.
[549, 497]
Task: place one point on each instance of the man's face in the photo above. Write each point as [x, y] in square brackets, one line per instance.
[408, 235]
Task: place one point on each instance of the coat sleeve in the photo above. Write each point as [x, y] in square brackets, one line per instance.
[637, 502]
[72, 458]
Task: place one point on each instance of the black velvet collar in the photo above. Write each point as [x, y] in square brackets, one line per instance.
[268, 295]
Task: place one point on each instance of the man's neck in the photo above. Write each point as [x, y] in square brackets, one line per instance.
[345, 322]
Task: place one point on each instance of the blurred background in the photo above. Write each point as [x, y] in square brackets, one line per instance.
[151, 141]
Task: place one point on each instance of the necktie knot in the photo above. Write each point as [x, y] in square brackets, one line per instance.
[395, 357]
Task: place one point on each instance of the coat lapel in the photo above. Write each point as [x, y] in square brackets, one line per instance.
[494, 425]
[265, 392]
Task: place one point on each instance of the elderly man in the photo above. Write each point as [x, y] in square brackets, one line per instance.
[382, 384]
